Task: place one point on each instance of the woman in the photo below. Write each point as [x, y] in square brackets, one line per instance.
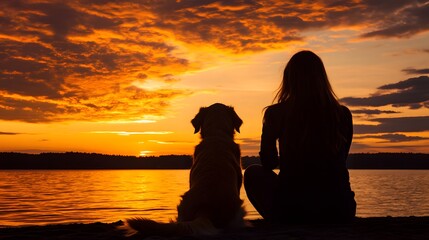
[314, 133]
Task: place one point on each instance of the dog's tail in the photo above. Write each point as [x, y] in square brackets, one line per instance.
[146, 227]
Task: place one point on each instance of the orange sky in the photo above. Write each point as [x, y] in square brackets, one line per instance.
[127, 77]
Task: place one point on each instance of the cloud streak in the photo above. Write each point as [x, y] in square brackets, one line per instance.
[405, 19]
[9, 133]
[393, 138]
[392, 125]
[416, 71]
[372, 111]
[412, 93]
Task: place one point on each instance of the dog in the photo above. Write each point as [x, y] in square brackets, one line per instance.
[212, 202]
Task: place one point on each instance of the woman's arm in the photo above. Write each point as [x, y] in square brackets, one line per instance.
[349, 127]
[268, 152]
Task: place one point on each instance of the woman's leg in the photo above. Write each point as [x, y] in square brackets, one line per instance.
[260, 185]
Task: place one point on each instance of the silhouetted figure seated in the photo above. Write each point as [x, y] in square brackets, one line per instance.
[314, 134]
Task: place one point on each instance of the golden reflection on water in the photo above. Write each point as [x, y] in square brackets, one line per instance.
[88, 195]
[64, 196]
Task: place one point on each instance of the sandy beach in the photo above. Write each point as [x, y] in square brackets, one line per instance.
[362, 228]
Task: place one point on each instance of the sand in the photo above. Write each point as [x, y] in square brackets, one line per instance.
[362, 228]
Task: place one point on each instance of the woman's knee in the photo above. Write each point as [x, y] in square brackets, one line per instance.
[257, 170]
[257, 174]
[253, 172]
[251, 176]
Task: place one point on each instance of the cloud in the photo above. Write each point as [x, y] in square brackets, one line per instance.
[78, 60]
[9, 133]
[237, 26]
[416, 71]
[66, 61]
[29, 109]
[393, 138]
[405, 19]
[392, 125]
[372, 111]
[131, 104]
[249, 146]
[390, 147]
[413, 93]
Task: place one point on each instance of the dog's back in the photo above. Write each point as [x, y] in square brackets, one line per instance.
[213, 200]
[215, 183]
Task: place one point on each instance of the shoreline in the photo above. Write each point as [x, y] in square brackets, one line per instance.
[362, 228]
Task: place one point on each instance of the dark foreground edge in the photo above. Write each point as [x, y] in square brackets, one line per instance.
[362, 228]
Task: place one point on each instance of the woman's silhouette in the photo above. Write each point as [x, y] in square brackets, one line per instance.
[314, 133]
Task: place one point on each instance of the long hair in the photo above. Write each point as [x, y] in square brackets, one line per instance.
[306, 88]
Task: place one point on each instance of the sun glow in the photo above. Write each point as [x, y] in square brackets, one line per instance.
[144, 153]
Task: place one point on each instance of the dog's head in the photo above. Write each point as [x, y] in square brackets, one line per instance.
[217, 119]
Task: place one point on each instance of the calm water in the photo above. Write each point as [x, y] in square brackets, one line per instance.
[56, 196]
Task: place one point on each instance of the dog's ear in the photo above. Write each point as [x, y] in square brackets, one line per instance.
[197, 122]
[236, 120]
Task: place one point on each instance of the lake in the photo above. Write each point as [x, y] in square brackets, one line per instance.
[29, 197]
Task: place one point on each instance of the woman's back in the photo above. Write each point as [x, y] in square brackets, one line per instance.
[308, 167]
[314, 133]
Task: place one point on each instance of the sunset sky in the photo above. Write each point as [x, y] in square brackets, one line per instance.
[126, 77]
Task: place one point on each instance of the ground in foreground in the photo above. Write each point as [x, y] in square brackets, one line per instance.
[362, 228]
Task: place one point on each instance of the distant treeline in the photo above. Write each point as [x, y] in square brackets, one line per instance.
[75, 160]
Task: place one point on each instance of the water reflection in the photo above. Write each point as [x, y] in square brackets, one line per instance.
[53, 196]
[391, 192]
[35, 197]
